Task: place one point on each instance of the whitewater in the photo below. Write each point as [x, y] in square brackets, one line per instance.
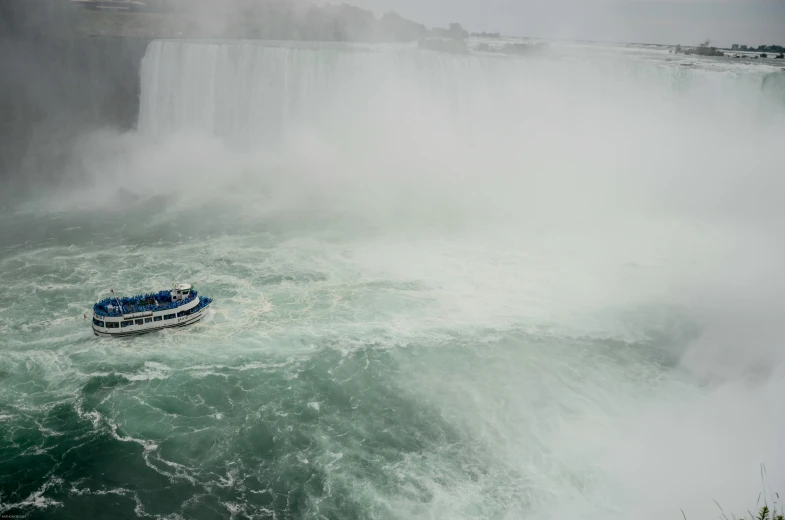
[446, 286]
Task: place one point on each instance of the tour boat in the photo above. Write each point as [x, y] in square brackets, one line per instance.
[144, 313]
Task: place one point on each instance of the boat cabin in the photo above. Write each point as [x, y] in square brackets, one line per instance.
[144, 313]
[181, 291]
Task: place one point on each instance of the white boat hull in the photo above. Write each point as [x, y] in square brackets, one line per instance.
[151, 321]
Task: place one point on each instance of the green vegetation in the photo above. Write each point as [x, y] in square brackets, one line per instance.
[771, 509]
[764, 513]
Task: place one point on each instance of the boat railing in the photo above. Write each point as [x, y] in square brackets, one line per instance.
[132, 305]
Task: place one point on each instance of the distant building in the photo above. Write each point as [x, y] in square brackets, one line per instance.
[735, 47]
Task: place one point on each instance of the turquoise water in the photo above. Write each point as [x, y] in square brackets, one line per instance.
[318, 387]
[446, 318]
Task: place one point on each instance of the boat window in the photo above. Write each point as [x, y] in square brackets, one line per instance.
[148, 320]
[182, 313]
[169, 317]
[158, 318]
[112, 325]
[127, 323]
[98, 323]
[139, 322]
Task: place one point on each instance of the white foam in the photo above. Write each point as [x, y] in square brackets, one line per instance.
[487, 223]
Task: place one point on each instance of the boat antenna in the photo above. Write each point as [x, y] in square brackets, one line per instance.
[118, 301]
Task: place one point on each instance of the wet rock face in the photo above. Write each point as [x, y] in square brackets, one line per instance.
[56, 87]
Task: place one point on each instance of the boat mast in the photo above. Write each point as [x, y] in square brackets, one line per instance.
[120, 305]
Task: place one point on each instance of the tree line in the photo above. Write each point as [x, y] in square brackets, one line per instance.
[759, 48]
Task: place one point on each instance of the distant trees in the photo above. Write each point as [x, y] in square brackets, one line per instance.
[704, 49]
[252, 19]
[452, 39]
[773, 49]
[458, 31]
[399, 28]
[454, 32]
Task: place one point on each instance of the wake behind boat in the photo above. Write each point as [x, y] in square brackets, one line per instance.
[144, 313]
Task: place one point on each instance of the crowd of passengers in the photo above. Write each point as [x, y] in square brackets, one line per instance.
[153, 302]
[203, 302]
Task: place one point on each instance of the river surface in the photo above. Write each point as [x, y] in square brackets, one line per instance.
[445, 287]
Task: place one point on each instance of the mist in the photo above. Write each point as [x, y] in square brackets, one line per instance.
[594, 235]
[648, 21]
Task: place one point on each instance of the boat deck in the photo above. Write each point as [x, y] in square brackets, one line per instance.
[152, 302]
[143, 313]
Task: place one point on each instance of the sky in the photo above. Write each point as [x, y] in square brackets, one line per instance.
[750, 22]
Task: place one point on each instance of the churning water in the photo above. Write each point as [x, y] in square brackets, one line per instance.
[445, 287]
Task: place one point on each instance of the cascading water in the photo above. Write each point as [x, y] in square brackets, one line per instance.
[252, 91]
[445, 287]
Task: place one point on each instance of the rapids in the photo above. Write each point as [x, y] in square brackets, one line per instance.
[445, 287]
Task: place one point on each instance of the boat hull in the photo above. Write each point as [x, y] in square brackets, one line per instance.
[138, 330]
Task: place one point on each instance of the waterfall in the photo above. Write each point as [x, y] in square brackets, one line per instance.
[252, 92]
[244, 90]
